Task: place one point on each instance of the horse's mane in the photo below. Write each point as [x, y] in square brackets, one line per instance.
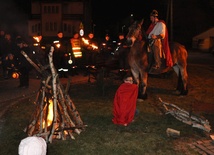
[143, 34]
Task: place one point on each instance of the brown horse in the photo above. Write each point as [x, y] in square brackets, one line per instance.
[139, 63]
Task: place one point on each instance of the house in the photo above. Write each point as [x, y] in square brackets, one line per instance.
[204, 41]
[49, 17]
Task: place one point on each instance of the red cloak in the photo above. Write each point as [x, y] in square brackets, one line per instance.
[125, 103]
[165, 44]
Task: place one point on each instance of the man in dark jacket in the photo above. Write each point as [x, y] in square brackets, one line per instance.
[24, 66]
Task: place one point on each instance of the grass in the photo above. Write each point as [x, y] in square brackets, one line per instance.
[145, 136]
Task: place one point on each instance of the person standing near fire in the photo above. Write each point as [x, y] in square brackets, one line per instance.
[60, 50]
[23, 65]
[106, 47]
[124, 50]
[7, 48]
[76, 46]
[91, 51]
[62, 54]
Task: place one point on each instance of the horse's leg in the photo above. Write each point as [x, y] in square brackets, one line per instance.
[150, 59]
[135, 74]
[141, 87]
[184, 77]
[143, 84]
[179, 55]
[181, 72]
[177, 71]
[142, 76]
[180, 85]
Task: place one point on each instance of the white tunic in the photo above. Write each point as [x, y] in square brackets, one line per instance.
[159, 28]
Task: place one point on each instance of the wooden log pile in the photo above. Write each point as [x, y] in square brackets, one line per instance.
[56, 115]
[186, 117]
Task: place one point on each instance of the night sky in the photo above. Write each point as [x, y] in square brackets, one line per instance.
[112, 12]
[190, 17]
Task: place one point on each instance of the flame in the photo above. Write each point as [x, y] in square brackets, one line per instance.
[50, 114]
[93, 46]
[37, 38]
[85, 41]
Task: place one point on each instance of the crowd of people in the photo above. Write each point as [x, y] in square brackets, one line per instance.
[7, 48]
[94, 52]
[106, 53]
[11, 59]
[88, 50]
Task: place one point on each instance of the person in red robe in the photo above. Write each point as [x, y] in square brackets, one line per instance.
[158, 33]
[124, 104]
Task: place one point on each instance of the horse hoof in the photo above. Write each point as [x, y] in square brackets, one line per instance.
[144, 96]
[184, 93]
[176, 92]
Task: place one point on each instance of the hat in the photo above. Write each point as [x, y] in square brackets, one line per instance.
[128, 74]
[19, 40]
[154, 13]
[32, 146]
[59, 32]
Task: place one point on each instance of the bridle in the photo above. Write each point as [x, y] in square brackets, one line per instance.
[134, 32]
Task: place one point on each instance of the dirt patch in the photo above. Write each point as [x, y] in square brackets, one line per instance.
[200, 98]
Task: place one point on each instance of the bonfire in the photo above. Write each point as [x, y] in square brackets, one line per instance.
[56, 116]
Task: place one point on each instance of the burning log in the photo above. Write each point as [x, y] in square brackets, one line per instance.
[56, 115]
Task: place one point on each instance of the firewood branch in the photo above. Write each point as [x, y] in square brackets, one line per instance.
[186, 117]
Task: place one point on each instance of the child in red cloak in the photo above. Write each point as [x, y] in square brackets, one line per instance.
[125, 99]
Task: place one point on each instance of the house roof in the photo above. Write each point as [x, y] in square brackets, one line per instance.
[205, 34]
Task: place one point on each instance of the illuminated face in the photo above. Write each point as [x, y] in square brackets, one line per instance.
[91, 35]
[2, 33]
[152, 18]
[107, 38]
[121, 37]
[10, 56]
[128, 80]
[76, 35]
[8, 36]
[60, 34]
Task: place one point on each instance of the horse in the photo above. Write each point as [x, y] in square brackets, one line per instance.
[138, 60]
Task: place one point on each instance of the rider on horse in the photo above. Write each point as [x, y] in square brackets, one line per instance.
[158, 41]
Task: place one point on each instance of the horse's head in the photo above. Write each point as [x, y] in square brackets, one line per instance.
[135, 32]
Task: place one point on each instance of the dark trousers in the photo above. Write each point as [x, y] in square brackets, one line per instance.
[24, 77]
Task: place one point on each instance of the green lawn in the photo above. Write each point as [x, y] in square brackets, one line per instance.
[145, 136]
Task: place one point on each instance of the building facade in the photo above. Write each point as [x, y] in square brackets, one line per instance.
[49, 17]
